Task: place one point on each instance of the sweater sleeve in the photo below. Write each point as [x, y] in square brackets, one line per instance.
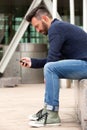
[38, 63]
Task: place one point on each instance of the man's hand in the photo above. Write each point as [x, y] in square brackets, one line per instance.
[25, 62]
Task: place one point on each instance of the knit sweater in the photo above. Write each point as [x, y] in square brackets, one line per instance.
[66, 41]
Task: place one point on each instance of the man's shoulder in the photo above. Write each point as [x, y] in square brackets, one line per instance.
[58, 26]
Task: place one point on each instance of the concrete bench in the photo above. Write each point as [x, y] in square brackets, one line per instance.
[81, 102]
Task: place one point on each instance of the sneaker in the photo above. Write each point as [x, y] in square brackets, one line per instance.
[49, 118]
[39, 114]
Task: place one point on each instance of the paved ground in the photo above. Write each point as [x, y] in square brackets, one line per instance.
[19, 102]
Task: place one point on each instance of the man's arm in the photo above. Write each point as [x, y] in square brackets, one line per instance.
[32, 62]
[38, 63]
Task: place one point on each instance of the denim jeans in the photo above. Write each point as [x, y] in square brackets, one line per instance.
[53, 71]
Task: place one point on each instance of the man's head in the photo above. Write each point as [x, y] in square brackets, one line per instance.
[40, 18]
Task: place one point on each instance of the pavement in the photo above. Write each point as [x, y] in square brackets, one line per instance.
[17, 103]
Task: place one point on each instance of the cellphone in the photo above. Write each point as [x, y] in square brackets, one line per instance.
[23, 62]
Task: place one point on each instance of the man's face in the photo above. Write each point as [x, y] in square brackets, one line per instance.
[40, 25]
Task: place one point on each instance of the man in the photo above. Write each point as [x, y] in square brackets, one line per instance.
[67, 58]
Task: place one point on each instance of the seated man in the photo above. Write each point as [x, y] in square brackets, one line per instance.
[67, 58]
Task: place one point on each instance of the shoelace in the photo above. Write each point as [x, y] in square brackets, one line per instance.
[43, 116]
[39, 113]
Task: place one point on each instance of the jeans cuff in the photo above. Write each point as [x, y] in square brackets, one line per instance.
[52, 108]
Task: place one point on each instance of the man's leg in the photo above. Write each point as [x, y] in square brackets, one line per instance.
[53, 71]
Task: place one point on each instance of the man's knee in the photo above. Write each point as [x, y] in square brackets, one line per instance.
[47, 67]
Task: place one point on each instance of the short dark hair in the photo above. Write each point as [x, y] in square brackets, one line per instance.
[38, 12]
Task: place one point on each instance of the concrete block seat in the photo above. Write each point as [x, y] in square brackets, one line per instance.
[81, 102]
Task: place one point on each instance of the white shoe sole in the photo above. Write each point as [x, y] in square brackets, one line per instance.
[34, 124]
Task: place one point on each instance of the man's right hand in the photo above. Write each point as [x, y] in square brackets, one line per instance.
[25, 62]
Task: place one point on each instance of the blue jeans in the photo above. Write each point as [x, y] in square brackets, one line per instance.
[53, 71]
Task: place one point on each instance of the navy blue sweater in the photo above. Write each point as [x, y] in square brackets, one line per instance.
[66, 41]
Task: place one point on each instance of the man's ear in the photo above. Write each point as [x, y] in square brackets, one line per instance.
[45, 18]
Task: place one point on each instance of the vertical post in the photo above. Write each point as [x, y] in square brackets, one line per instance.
[72, 12]
[85, 15]
[54, 9]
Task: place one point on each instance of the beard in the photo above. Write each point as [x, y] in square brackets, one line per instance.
[45, 28]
